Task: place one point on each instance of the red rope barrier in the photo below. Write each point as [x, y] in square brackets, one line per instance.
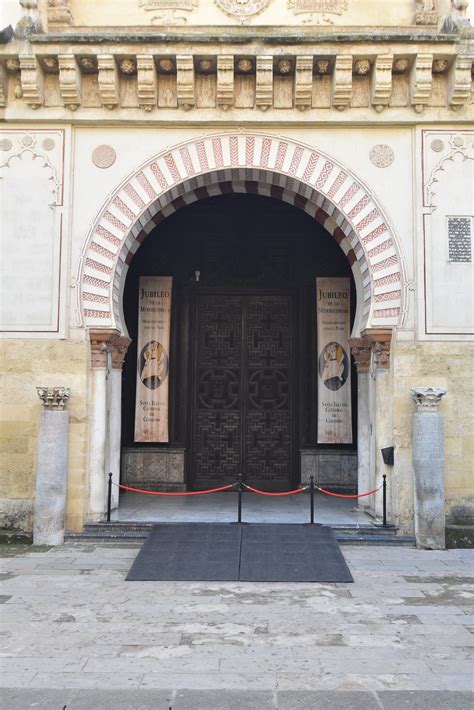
[265, 493]
[341, 495]
[175, 493]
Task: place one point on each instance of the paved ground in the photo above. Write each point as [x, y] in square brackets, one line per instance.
[74, 634]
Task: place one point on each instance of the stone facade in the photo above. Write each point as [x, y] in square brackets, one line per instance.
[359, 114]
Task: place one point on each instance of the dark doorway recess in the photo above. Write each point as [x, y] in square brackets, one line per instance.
[243, 370]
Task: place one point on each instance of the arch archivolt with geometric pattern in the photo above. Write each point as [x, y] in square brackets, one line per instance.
[269, 165]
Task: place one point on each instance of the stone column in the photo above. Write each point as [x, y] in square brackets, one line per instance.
[361, 352]
[118, 348]
[381, 339]
[100, 363]
[428, 468]
[52, 467]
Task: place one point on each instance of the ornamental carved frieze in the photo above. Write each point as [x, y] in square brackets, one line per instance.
[168, 12]
[426, 12]
[317, 11]
[241, 9]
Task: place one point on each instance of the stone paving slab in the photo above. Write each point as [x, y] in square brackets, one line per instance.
[72, 631]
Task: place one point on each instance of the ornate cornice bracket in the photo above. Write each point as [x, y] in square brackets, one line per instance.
[427, 399]
[54, 398]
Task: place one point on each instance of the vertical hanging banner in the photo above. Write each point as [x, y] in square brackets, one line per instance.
[153, 349]
[334, 365]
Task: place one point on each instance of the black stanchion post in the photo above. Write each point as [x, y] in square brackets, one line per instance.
[384, 499]
[109, 498]
[311, 499]
[239, 499]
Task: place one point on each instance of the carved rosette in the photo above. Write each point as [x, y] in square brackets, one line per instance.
[427, 399]
[54, 398]
[361, 351]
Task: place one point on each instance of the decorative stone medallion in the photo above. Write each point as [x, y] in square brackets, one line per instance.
[437, 145]
[48, 144]
[242, 8]
[5, 144]
[27, 141]
[104, 156]
[381, 155]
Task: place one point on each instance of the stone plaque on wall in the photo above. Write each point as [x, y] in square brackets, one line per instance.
[460, 239]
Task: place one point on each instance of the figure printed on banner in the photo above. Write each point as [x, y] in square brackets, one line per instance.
[153, 365]
[333, 366]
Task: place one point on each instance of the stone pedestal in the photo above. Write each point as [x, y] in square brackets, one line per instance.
[428, 468]
[52, 467]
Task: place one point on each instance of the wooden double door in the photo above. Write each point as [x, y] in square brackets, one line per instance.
[243, 390]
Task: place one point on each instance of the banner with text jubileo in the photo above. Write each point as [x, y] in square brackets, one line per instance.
[334, 364]
[153, 352]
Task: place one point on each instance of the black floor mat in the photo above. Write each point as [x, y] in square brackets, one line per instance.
[291, 553]
[189, 551]
[231, 552]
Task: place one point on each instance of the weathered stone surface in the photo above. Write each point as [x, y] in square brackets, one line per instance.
[428, 479]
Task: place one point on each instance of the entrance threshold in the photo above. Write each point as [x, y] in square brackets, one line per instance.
[222, 508]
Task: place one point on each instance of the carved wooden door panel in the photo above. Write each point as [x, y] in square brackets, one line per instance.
[242, 398]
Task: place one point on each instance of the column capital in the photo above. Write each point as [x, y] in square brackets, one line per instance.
[381, 340]
[427, 399]
[54, 398]
[118, 347]
[100, 345]
[361, 350]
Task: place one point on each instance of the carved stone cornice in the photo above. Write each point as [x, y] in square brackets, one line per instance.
[381, 340]
[361, 351]
[156, 72]
[54, 398]
[427, 399]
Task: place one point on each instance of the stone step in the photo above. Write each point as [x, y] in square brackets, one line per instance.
[348, 534]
